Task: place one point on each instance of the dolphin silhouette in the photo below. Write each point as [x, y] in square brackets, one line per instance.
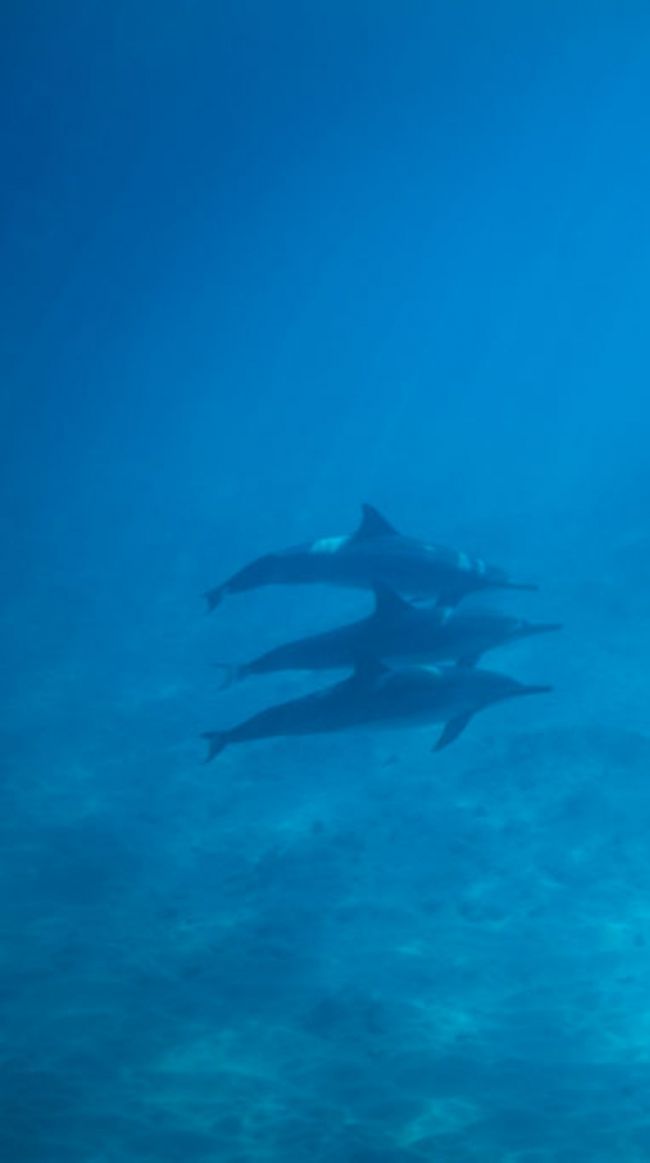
[377, 696]
[376, 554]
[398, 632]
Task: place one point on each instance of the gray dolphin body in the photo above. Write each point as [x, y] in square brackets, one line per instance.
[398, 632]
[376, 554]
[375, 696]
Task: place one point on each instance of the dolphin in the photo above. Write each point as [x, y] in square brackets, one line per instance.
[398, 632]
[376, 554]
[377, 696]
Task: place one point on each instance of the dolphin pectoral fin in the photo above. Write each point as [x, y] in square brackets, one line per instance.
[216, 741]
[214, 598]
[541, 628]
[373, 525]
[367, 668]
[468, 660]
[447, 599]
[232, 673]
[388, 603]
[451, 731]
[527, 587]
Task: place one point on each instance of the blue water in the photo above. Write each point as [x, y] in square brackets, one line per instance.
[261, 263]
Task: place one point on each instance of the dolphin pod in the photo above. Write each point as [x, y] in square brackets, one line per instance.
[385, 688]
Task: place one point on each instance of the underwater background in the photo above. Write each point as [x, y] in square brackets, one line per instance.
[262, 263]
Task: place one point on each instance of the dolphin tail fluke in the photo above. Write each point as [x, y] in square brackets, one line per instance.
[216, 741]
[451, 731]
[214, 598]
[232, 673]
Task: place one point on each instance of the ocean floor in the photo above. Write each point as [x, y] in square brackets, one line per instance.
[335, 950]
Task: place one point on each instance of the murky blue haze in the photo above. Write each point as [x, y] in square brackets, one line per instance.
[262, 263]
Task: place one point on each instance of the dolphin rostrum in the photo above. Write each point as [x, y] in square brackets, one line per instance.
[376, 696]
[376, 554]
[398, 632]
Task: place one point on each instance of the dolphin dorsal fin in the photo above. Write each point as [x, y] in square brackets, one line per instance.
[388, 603]
[367, 668]
[373, 525]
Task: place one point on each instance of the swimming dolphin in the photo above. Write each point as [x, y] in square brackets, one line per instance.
[376, 696]
[398, 632]
[376, 554]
